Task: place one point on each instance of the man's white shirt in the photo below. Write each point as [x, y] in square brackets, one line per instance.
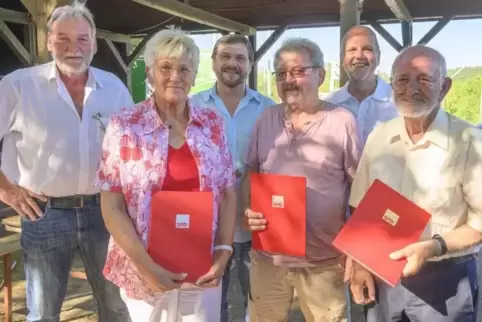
[47, 147]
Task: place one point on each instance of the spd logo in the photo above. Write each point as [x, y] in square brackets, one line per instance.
[278, 201]
[182, 221]
[391, 217]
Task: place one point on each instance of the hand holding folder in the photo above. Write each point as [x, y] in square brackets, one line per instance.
[180, 232]
[282, 202]
[384, 222]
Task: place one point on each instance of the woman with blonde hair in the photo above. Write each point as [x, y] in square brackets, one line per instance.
[180, 147]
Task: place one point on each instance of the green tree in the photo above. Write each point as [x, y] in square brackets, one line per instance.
[463, 99]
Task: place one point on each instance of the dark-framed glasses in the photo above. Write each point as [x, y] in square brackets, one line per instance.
[296, 72]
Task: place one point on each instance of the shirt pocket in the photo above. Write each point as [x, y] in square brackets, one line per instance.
[444, 200]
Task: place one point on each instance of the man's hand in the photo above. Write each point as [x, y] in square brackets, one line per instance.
[254, 221]
[360, 279]
[22, 201]
[213, 277]
[416, 254]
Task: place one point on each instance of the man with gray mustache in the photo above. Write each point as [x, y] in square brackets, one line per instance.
[52, 119]
[306, 137]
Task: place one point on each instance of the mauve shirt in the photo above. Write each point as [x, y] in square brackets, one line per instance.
[326, 151]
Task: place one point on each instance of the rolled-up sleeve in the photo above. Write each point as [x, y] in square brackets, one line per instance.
[9, 98]
[108, 172]
[472, 181]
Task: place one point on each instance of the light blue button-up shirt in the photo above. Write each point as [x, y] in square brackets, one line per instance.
[238, 128]
[376, 108]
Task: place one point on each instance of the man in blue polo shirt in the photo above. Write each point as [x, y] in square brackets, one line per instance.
[240, 106]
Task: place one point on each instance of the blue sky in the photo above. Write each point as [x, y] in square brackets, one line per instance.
[460, 42]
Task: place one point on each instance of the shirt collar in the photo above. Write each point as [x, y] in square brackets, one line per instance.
[212, 94]
[153, 120]
[382, 92]
[437, 133]
[92, 79]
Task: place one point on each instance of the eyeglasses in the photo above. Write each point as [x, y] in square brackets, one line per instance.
[297, 72]
[166, 70]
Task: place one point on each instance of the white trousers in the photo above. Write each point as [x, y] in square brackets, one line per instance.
[183, 305]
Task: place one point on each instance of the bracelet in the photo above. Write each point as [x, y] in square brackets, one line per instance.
[223, 247]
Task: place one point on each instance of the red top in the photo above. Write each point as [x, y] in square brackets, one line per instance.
[182, 172]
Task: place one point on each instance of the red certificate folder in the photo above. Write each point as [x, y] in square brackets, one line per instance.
[384, 222]
[282, 201]
[180, 232]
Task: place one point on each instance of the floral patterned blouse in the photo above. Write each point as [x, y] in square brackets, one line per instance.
[134, 162]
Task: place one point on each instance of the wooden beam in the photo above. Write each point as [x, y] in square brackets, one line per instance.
[187, 12]
[268, 43]
[14, 16]
[435, 30]
[399, 9]
[140, 47]
[107, 35]
[407, 33]
[386, 35]
[14, 44]
[117, 57]
[253, 76]
[350, 11]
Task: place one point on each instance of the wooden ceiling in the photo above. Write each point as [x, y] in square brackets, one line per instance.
[128, 17]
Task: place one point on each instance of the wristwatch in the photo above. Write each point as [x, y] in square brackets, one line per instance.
[442, 243]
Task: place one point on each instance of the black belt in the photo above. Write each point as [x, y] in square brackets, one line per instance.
[71, 202]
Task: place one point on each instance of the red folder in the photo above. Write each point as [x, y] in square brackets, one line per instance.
[384, 222]
[282, 201]
[180, 232]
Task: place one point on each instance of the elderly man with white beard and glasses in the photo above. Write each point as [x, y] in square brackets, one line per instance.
[52, 120]
[435, 160]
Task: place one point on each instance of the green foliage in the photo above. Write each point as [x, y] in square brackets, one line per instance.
[464, 98]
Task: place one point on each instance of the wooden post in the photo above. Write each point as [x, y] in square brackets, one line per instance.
[253, 76]
[350, 11]
[40, 11]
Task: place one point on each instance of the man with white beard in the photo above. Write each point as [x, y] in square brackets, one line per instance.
[433, 159]
[52, 120]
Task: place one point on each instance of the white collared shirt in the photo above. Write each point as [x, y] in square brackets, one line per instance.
[47, 147]
[373, 110]
[442, 173]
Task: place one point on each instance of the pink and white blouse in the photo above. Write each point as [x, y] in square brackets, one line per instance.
[134, 162]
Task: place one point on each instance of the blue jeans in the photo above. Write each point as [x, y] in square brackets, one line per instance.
[49, 246]
[241, 257]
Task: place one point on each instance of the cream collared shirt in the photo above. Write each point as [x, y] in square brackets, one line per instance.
[442, 173]
[47, 147]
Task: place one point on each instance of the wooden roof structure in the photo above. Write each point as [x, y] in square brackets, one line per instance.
[132, 16]
[119, 20]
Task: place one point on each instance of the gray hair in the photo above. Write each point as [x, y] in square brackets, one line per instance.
[171, 43]
[352, 32]
[75, 11]
[300, 45]
[425, 50]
